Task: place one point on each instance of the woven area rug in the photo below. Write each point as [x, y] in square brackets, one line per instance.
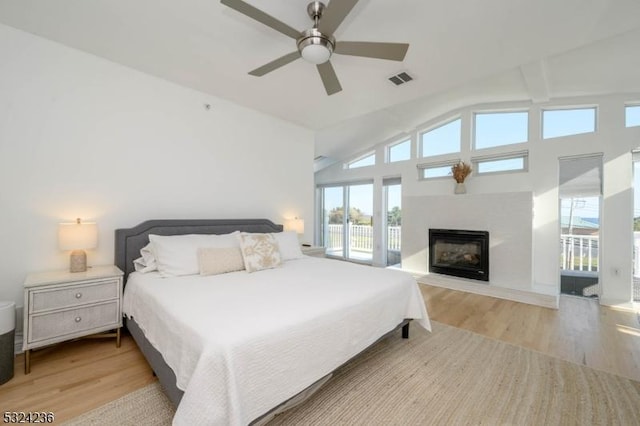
[448, 377]
[146, 406]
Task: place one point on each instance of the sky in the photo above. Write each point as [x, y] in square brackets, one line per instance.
[585, 207]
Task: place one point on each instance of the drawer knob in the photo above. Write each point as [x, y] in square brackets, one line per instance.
[78, 319]
[78, 295]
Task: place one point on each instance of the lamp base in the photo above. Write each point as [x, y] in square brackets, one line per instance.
[78, 261]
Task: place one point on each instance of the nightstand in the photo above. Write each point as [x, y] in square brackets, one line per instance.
[314, 251]
[62, 305]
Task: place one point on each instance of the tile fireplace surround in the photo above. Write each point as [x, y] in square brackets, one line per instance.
[507, 217]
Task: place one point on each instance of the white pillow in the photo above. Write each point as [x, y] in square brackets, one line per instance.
[147, 261]
[178, 254]
[214, 261]
[289, 245]
[259, 251]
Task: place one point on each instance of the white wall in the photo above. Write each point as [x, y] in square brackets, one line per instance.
[84, 137]
[611, 138]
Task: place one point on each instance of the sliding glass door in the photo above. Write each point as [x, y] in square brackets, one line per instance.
[333, 221]
[393, 199]
[350, 235]
[360, 222]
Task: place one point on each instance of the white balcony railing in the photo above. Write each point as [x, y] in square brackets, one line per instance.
[579, 252]
[361, 237]
[636, 259]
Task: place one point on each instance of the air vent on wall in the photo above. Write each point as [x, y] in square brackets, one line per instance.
[400, 78]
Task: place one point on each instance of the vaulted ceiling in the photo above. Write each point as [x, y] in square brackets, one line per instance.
[460, 52]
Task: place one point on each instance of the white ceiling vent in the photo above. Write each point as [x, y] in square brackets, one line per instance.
[400, 78]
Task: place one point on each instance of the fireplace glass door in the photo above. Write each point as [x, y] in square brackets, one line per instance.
[459, 253]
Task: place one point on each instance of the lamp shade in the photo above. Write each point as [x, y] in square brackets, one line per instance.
[296, 225]
[77, 236]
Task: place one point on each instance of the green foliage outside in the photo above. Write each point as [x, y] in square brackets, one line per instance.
[585, 263]
[394, 216]
[356, 217]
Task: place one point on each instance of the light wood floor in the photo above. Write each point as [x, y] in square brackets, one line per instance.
[75, 377]
[581, 330]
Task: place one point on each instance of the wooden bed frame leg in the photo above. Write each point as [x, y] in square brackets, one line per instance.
[405, 331]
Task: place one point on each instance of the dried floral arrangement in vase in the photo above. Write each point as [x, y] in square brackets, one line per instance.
[460, 172]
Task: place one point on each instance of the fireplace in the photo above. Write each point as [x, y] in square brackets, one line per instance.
[459, 253]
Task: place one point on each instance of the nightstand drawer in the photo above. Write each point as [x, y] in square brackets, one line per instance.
[64, 323]
[76, 295]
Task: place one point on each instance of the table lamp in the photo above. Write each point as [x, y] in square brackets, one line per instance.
[295, 224]
[77, 237]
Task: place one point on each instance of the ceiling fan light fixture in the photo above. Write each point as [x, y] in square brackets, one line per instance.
[315, 47]
[316, 54]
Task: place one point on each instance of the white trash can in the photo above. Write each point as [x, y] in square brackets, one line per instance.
[7, 340]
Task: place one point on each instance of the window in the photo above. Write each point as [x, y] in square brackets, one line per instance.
[632, 115]
[399, 151]
[513, 162]
[501, 128]
[435, 170]
[565, 122]
[368, 160]
[444, 139]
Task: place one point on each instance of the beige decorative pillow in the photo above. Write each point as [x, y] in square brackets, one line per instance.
[214, 261]
[259, 251]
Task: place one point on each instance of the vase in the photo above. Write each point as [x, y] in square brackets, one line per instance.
[460, 188]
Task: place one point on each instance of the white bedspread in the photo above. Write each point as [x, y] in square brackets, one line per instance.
[240, 344]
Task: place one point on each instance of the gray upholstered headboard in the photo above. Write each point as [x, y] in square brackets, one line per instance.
[129, 241]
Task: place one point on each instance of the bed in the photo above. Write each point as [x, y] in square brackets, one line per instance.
[239, 347]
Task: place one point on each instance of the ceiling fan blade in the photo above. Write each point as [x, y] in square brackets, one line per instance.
[369, 49]
[334, 14]
[274, 65]
[260, 16]
[329, 78]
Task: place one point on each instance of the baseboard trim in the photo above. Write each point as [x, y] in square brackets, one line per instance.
[17, 344]
[530, 298]
[619, 304]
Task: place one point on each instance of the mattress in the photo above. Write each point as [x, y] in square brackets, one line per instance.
[241, 343]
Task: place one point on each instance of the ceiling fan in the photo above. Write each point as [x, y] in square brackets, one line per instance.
[316, 44]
